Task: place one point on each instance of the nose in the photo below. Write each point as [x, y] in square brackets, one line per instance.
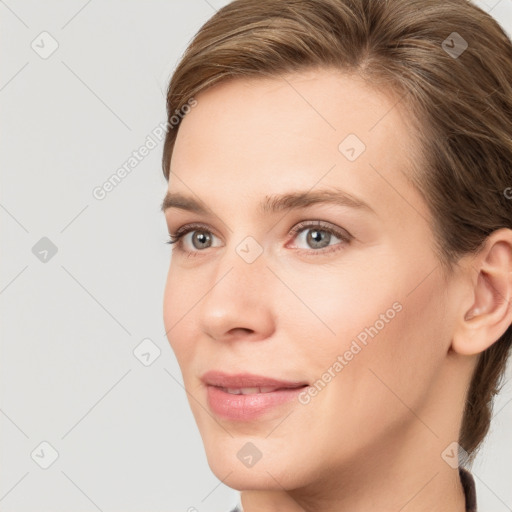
[238, 303]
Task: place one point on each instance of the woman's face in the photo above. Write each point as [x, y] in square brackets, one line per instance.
[341, 293]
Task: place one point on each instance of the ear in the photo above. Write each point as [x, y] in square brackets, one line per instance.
[490, 311]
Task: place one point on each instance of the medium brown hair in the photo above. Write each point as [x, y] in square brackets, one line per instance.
[461, 106]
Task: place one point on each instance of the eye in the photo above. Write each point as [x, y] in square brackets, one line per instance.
[317, 235]
[201, 238]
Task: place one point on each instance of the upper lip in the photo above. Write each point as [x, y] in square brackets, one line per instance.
[246, 380]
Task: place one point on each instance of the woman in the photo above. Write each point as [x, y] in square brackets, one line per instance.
[339, 293]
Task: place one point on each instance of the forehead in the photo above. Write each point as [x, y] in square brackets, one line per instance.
[297, 131]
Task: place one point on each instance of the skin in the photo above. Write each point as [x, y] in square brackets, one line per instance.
[373, 437]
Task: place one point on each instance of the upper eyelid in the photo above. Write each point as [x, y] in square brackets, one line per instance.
[302, 224]
[321, 225]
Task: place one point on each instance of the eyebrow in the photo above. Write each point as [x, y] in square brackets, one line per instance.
[275, 203]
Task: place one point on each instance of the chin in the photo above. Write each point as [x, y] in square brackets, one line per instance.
[241, 465]
[240, 478]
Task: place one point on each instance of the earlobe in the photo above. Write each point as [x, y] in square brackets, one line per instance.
[490, 312]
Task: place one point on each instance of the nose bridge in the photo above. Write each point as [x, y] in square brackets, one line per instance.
[243, 264]
[238, 296]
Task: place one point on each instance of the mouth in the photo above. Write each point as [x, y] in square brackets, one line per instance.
[257, 390]
[247, 397]
[250, 381]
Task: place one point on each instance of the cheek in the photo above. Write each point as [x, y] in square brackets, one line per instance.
[331, 307]
[177, 307]
[397, 368]
[377, 332]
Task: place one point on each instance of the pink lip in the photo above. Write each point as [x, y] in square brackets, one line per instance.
[245, 380]
[251, 406]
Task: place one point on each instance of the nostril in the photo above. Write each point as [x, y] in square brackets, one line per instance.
[241, 330]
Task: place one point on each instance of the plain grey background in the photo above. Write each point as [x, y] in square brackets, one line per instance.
[82, 86]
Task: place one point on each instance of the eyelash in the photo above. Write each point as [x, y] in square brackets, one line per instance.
[345, 237]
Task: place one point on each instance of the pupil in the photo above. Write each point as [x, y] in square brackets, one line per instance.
[315, 237]
[200, 237]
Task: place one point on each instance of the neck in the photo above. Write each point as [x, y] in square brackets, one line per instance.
[421, 486]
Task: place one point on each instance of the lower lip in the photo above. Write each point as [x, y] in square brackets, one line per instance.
[247, 407]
